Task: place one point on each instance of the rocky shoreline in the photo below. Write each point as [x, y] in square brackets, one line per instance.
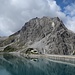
[58, 58]
[69, 58]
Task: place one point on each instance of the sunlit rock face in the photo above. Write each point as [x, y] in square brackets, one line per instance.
[46, 35]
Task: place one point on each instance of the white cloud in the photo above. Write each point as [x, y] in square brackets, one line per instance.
[70, 18]
[70, 9]
[6, 26]
[55, 10]
[14, 13]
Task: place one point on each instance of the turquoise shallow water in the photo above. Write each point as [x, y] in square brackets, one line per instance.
[12, 65]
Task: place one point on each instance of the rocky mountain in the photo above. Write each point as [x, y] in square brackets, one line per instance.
[46, 35]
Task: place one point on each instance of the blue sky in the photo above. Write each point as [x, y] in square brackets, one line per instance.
[64, 3]
[14, 13]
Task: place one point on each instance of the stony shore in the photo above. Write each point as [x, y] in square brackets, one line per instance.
[53, 57]
[68, 58]
[62, 58]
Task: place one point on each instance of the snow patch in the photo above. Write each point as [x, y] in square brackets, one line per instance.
[53, 24]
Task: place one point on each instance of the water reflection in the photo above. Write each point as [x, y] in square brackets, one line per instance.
[12, 65]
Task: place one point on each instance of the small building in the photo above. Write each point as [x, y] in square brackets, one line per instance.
[34, 51]
[31, 51]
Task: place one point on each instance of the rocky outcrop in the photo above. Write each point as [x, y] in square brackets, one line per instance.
[47, 35]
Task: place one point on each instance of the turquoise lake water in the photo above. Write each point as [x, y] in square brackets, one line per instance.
[12, 65]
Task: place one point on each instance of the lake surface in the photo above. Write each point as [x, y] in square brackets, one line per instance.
[12, 65]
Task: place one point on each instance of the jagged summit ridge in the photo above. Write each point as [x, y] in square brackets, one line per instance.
[40, 27]
[49, 34]
[46, 35]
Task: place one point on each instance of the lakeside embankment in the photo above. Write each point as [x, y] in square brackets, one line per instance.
[68, 58]
[53, 57]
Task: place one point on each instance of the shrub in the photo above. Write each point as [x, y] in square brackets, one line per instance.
[9, 49]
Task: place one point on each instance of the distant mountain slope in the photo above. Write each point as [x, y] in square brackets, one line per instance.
[46, 35]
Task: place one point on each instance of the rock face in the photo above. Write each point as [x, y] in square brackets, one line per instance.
[47, 35]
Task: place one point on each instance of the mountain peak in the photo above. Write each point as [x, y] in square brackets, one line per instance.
[42, 26]
[46, 35]
[38, 28]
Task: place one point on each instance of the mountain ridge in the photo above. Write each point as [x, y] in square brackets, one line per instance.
[46, 35]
